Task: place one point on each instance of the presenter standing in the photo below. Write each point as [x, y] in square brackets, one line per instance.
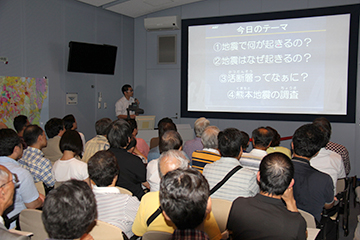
[123, 103]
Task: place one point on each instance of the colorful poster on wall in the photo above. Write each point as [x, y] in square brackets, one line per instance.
[26, 96]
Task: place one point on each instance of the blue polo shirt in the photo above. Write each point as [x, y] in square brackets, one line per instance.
[312, 189]
[26, 192]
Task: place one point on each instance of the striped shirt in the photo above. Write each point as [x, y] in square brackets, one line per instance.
[242, 184]
[202, 157]
[40, 168]
[98, 143]
[116, 208]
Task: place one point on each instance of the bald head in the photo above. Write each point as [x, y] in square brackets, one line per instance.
[171, 160]
[262, 138]
[7, 190]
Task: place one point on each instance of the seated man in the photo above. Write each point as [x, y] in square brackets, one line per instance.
[185, 201]
[20, 123]
[150, 203]
[69, 210]
[327, 161]
[210, 152]
[99, 142]
[265, 216]
[195, 144]
[33, 158]
[243, 182]
[113, 207]
[275, 143]
[335, 147]
[27, 196]
[170, 140]
[132, 170]
[261, 140]
[154, 142]
[164, 126]
[313, 190]
[7, 189]
[54, 129]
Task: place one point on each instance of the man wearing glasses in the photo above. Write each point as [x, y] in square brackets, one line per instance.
[8, 182]
[123, 103]
[27, 195]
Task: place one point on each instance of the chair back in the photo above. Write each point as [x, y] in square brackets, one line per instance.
[124, 191]
[156, 235]
[40, 188]
[310, 220]
[340, 185]
[105, 231]
[30, 221]
[221, 209]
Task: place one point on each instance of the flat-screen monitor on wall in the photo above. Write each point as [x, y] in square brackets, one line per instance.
[294, 65]
[92, 58]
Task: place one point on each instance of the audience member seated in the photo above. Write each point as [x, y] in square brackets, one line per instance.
[154, 142]
[335, 147]
[195, 144]
[261, 140]
[54, 129]
[20, 123]
[33, 158]
[69, 211]
[265, 216]
[164, 126]
[141, 145]
[185, 201]
[210, 152]
[149, 205]
[245, 141]
[99, 142]
[241, 183]
[132, 170]
[71, 124]
[7, 190]
[327, 161]
[313, 190]
[113, 207]
[170, 140]
[275, 144]
[68, 167]
[27, 195]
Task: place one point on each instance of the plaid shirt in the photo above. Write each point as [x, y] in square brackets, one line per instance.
[189, 234]
[40, 168]
[342, 151]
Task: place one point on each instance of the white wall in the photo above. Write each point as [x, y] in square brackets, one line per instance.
[35, 36]
[158, 86]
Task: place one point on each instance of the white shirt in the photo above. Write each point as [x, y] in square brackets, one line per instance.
[122, 104]
[116, 208]
[329, 162]
[64, 170]
[152, 175]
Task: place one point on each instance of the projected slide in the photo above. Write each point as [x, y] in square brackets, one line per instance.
[288, 66]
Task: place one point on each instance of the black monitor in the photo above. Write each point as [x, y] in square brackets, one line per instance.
[92, 58]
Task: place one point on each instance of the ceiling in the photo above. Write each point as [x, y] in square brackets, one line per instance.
[136, 8]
